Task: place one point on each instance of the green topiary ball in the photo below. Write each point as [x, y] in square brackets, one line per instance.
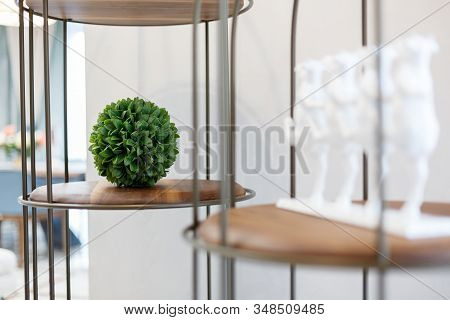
[134, 143]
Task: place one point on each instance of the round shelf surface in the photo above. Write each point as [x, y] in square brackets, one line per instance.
[267, 232]
[102, 195]
[130, 12]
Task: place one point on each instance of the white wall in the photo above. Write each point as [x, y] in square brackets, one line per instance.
[142, 255]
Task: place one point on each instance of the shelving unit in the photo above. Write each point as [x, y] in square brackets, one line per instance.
[102, 195]
[261, 232]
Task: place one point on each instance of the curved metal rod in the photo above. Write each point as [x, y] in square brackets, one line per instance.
[23, 143]
[243, 10]
[292, 148]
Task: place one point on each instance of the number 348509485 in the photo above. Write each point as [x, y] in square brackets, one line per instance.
[289, 308]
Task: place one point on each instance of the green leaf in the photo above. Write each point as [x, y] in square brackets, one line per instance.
[128, 126]
[106, 153]
[134, 167]
[117, 123]
[109, 124]
[119, 159]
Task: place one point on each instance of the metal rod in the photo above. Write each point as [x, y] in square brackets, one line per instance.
[231, 278]
[224, 107]
[232, 154]
[292, 148]
[48, 154]
[66, 167]
[232, 139]
[382, 246]
[365, 169]
[208, 148]
[23, 149]
[293, 91]
[364, 33]
[197, 12]
[292, 281]
[33, 153]
[365, 284]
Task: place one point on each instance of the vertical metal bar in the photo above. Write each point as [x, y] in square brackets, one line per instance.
[382, 247]
[197, 12]
[66, 167]
[365, 170]
[365, 284]
[224, 144]
[208, 148]
[364, 22]
[23, 149]
[292, 148]
[33, 153]
[292, 281]
[48, 154]
[232, 135]
[232, 138]
[364, 30]
[293, 93]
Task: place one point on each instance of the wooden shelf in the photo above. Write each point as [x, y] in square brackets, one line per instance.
[102, 195]
[266, 232]
[130, 12]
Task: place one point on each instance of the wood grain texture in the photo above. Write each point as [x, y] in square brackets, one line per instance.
[282, 235]
[130, 12]
[166, 191]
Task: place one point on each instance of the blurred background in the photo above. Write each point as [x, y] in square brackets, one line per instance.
[11, 232]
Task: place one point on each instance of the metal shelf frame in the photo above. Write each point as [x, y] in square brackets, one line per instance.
[50, 204]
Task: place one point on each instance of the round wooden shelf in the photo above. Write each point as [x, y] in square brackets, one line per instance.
[102, 195]
[267, 232]
[130, 12]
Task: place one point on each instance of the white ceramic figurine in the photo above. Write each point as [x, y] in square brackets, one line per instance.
[346, 115]
[344, 93]
[313, 111]
[369, 105]
[416, 125]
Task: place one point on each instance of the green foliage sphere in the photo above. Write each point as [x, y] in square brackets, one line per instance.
[134, 143]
